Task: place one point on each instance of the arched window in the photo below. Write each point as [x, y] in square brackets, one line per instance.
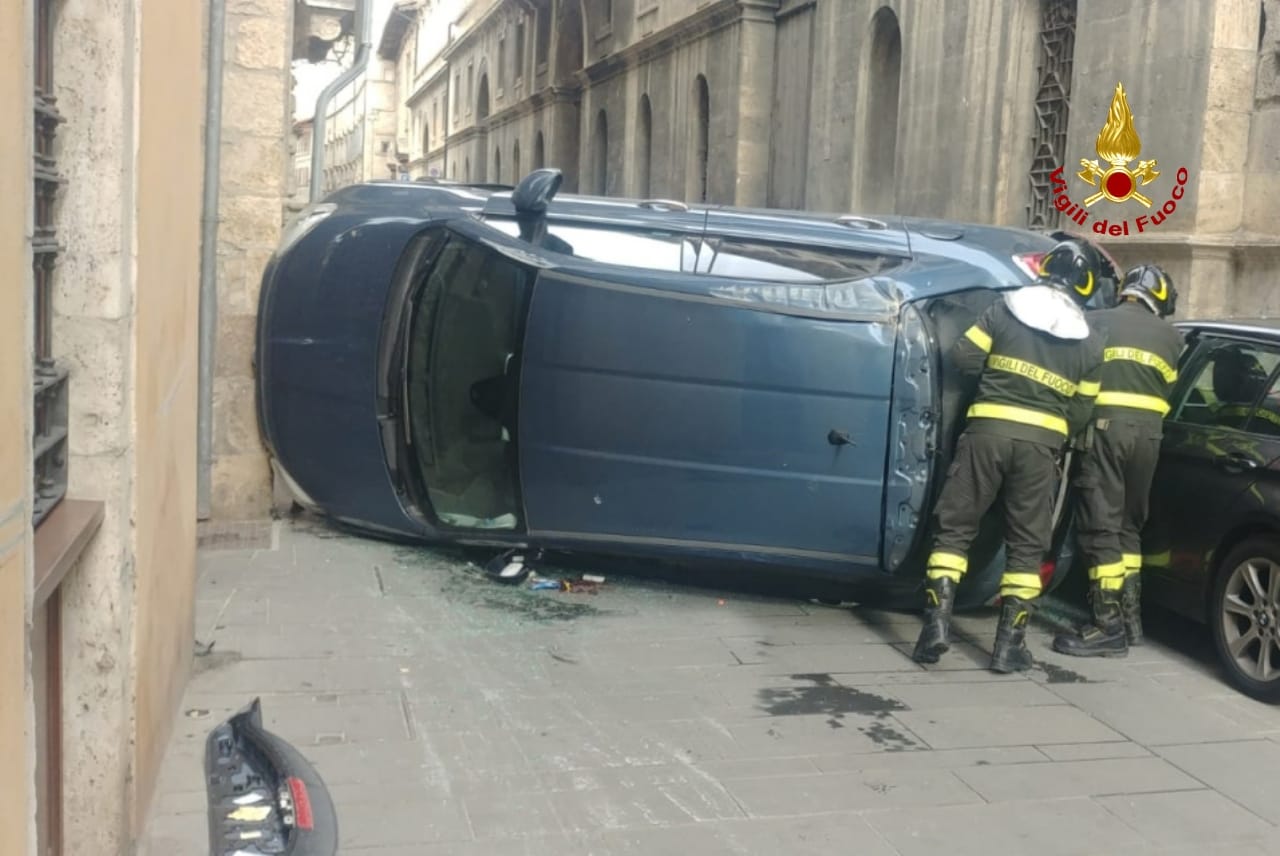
[468, 167]
[702, 138]
[539, 152]
[482, 98]
[879, 161]
[515, 161]
[497, 165]
[426, 139]
[644, 145]
[601, 164]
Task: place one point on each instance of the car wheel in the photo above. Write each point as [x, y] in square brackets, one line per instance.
[1244, 612]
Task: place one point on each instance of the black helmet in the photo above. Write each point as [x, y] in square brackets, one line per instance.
[1074, 266]
[1151, 285]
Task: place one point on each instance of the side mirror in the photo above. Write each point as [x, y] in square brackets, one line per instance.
[535, 191]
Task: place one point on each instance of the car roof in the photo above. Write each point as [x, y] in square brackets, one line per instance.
[1268, 328]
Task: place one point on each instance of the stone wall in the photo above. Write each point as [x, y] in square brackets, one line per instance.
[256, 126]
[129, 83]
[95, 53]
[170, 114]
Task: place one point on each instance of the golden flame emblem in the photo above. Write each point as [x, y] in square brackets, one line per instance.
[1118, 143]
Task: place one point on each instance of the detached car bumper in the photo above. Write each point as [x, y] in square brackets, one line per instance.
[264, 797]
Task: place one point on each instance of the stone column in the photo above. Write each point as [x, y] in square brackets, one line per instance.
[564, 137]
[256, 123]
[758, 33]
[1224, 148]
[95, 74]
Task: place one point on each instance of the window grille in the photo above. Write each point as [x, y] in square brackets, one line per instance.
[49, 435]
[1053, 97]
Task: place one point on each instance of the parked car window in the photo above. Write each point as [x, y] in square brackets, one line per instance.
[745, 258]
[1228, 385]
[652, 250]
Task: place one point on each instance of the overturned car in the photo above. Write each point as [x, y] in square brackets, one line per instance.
[514, 368]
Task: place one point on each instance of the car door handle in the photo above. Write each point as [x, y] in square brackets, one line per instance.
[1236, 462]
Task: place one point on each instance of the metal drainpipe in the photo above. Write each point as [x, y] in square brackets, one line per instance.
[209, 256]
[364, 24]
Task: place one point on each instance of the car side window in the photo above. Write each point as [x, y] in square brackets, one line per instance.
[673, 252]
[1266, 416]
[750, 258]
[1229, 382]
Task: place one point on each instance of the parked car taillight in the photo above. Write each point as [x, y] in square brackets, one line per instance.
[1046, 573]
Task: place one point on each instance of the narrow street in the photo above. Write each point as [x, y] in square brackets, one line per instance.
[452, 715]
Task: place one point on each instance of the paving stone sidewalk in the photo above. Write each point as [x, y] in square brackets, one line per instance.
[452, 715]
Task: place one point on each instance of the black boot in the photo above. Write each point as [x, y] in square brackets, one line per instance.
[1010, 653]
[935, 636]
[1131, 606]
[1105, 637]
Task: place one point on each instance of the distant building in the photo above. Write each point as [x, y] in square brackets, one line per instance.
[960, 109]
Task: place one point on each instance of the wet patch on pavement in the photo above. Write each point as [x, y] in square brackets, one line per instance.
[1060, 675]
[882, 733]
[824, 697]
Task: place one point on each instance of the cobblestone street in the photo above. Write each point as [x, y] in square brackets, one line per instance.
[452, 715]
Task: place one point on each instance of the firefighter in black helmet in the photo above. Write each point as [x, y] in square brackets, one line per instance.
[1037, 362]
[1121, 447]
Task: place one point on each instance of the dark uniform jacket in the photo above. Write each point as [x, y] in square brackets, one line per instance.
[1037, 382]
[1139, 364]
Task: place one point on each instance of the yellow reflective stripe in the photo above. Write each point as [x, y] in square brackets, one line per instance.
[1104, 572]
[1146, 358]
[1132, 560]
[979, 337]
[1022, 415]
[1089, 388]
[1023, 585]
[1132, 572]
[1021, 580]
[1111, 583]
[951, 561]
[944, 574]
[1157, 560]
[1031, 371]
[1268, 415]
[1132, 400]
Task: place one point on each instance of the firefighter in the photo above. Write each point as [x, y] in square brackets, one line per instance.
[1120, 449]
[1037, 362]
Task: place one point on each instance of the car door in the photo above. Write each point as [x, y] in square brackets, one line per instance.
[721, 415]
[1223, 429]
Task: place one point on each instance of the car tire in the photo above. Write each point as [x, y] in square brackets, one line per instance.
[1245, 604]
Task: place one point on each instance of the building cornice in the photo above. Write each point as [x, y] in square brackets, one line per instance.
[706, 21]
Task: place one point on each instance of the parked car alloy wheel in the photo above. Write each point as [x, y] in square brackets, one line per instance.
[1245, 614]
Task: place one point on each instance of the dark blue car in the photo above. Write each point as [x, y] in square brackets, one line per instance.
[480, 366]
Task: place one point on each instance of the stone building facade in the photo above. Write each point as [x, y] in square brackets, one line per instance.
[360, 132]
[959, 109]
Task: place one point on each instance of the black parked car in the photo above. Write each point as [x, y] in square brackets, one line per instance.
[1212, 545]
